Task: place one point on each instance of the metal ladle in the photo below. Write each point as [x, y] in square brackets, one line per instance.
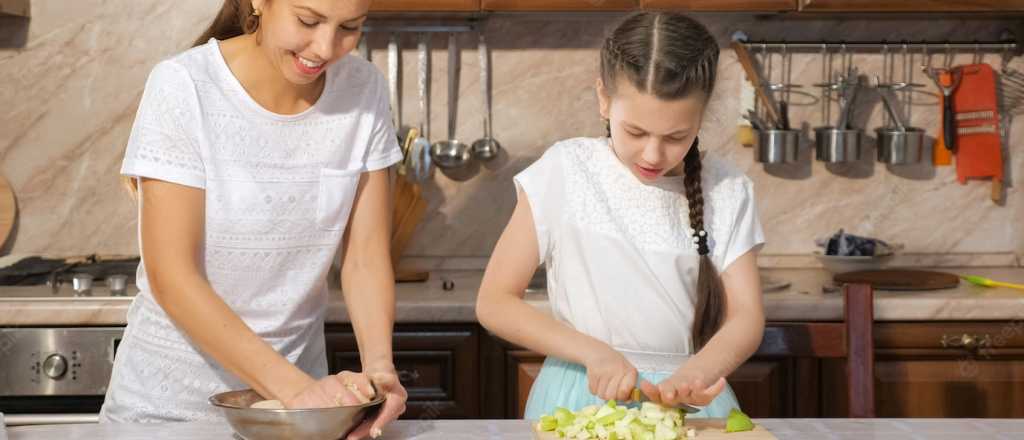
[394, 72]
[841, 143]
[451, 154]
[487, 148]
[420, 150]
[897, 145]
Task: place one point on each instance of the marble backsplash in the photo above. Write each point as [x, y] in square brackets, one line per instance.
[73, 74]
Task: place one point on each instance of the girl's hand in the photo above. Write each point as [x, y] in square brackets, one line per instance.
[683, 386]
[342, 389]
[610, 375]
[386, 380]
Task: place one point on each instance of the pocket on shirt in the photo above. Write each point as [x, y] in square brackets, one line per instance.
[337, 193]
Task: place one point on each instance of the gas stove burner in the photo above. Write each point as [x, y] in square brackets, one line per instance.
[80, 273]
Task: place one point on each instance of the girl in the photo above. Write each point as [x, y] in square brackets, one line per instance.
[633, 229]
[255, 155]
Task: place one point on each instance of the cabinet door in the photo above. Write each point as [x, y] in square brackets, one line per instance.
[425, 6]
[559, 5]
[950, 369]
[15, 7]
[950, 386]
[524, 366]
[764, 387]
[721, 5]
[912, 5]
[436, 364]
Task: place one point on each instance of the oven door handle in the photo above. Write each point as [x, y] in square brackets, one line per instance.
[49, 419]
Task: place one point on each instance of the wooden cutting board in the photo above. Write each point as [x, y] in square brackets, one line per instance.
[895, 279]
[707, 429]
[8, 209]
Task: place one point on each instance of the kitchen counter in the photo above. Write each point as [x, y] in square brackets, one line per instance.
[783, 429]
[428, 302]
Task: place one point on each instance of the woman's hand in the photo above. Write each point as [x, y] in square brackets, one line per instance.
[342, 389]
[385, 379]
[609, 374]
[683, 386]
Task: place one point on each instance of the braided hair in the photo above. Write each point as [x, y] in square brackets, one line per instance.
[671, 56]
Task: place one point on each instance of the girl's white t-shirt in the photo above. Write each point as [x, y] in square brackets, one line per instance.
[621, 262]
[279, 190]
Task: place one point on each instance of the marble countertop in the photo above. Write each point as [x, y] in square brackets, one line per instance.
[783, 429]
[428, 302]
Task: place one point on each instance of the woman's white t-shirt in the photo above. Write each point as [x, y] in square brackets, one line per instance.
[279, 190]
[621, 262]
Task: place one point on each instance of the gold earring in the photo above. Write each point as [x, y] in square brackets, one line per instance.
[256, 13]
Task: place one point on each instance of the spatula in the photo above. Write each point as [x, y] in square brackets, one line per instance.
[985, 282]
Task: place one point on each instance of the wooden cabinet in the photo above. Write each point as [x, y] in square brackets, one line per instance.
[19, 8]
[507, 374]
[922, 369]
[721, 5]
[911, 5]
[437, 364]
[413, 6]
[425, 6]
[559, 5]
[524, 366]
[950, 369]
[766, 386]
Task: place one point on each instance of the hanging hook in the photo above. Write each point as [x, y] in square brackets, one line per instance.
[826, 81]
[824, 66]
[978, 57]
[1006, 57]
[766, 63]
[926, 58]
[766, 59]
[843, 61]
[886, 68]
[908, 60]
[787, 69]
[948, 60]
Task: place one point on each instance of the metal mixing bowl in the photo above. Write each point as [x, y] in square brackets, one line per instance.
[280, 424]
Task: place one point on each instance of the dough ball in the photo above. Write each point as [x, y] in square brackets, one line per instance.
[267, 404]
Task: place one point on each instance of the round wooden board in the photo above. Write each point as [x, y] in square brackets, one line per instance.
[896, 279]
[8, 209]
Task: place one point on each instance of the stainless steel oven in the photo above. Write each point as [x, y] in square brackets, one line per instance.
[55, 375]
[59, 374]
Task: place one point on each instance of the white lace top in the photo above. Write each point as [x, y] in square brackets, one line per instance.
[279, 190]
[621, 263]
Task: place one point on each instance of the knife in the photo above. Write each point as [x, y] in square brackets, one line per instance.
[641, 397]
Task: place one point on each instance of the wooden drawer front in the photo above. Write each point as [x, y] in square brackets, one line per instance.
[934, 388]
[970, 336]
[558, 5]
[425, 6]
[437, 366]
[426, 375]
[911, 5]
[721, 5]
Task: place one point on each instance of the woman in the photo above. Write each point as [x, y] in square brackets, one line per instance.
[256, 154]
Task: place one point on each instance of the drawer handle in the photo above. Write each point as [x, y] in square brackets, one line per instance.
[966, 341]
[408, 376]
